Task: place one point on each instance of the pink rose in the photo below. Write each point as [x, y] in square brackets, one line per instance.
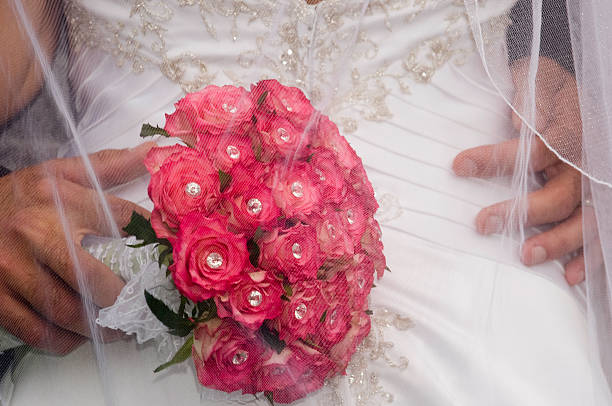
[252, 299]
[360, 279]
[337, 312]
[329, 175]
[228, 150]
[295, 252]
[342, 352]
[253, 207]
[226, 356]
[332, 235]
[301, 315]
[295, 189]
[280, 370]
[178, 124]
[371, 244]
[309, 369]
[213, 110]
[363, 188]
[207, 258]
[244, 178]
[353, 217]
[328, 136]
[278, 136]
[184, 183]
[284, 101]
[336, 324]
[157, 156]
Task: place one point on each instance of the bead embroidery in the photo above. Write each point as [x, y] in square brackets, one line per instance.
[306, 49]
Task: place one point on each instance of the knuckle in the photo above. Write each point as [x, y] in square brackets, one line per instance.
[107, 155]
[28, 223]
[44, 189]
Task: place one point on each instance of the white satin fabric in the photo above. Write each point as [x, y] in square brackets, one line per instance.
[487, 330]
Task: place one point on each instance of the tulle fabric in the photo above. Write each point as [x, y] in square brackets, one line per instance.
[584, 54]
[574, 35]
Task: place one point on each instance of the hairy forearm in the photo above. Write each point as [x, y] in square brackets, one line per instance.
[20, 73]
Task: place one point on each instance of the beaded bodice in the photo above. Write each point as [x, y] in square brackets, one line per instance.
[346, 55]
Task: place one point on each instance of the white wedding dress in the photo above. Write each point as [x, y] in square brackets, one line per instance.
[409, 96]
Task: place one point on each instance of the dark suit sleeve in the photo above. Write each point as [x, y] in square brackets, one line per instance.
[555, 40]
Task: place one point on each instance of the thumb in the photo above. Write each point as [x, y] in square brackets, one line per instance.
[111, 167]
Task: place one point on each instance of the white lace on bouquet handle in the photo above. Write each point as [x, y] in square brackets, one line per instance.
[141, 271]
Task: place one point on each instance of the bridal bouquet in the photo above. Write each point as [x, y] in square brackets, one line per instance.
[264, 218]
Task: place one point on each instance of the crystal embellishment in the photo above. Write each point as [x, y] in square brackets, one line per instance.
[283, 134]
[333, 317]
[255, 298]
[233, 152]
[287, 106]
[300, 311]
[350, 217]
[254, 206]
[296, 249]
[229, 108]
[214, 260]
[193, 189]
[297, 189]
[278, 371]
[240, 357]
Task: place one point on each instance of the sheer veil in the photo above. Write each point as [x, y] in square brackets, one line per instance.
[575, 36]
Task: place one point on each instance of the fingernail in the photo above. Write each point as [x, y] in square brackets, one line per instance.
[467, 167]
[537, 255]
[579, 276]
[493, 224]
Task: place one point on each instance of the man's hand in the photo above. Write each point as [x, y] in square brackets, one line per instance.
[558, 201]
[46, 212]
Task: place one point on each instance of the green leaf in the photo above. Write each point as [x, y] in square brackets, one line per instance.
[165, 255]
[141, 228]
[176, 324]
[312, 345]
[271, 338]
[181, 355]
[288, 289]
[270, 396]
[323, 316]
[369, 312]
[148, 130]
[262, 98]
[254, 252]
[225, 179]
[206, 310]
[387, 269]
[182, 305]
[258, 234]
[309, 157]
[285, 298]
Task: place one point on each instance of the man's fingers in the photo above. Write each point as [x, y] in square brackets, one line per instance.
[554, 202]
[574, 270]
[561, 240]
[84, 273]
[64, 255]
[84, 207]
[21, 321]
[487, 161]
[51, 297]
[112, 167]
